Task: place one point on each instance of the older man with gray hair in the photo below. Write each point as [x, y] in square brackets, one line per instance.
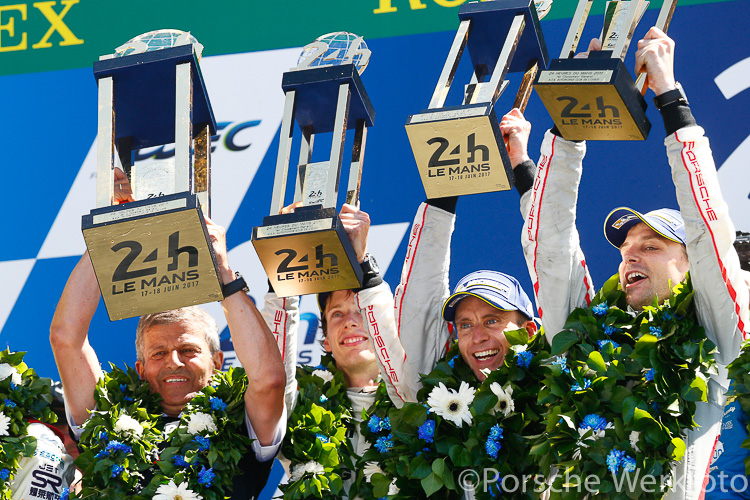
[177, 354]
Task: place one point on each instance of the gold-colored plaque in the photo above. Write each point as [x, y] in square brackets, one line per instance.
[449, 169]
[147, 264]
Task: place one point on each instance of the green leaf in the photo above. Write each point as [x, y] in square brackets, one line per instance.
[564, 341]
[596, 362]
[431, 484]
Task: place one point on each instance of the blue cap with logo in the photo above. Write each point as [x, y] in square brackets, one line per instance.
[664, 221]
[497, 289]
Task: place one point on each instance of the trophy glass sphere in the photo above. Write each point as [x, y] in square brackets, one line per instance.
[340, 47]
[158, 40]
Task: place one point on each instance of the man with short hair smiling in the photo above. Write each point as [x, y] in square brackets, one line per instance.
[484, 305]
[178, 352]
[657, 248]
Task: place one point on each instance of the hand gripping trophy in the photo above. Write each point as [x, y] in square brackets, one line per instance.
[153, 254]
[308, 251]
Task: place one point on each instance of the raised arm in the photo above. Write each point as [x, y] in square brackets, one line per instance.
[550, 239]
[76, 360]
[424, 286]
[256, 350]
[282, 317]
[721, 294]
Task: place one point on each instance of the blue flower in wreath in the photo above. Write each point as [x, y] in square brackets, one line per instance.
[563, 362]
[423, 450]
[117, 469]
[628, 464]
[204, 443]
[384, 443]
[452, 361]
[577, 387]
[206, 476]
[102, 454]
[594, 422]
[614, 460]
[4, 474]
[655, 331]
[386, 424]
[523, 358]
[649, 375]
[600, 309]
[10, 404]
[322, 438]
[494, 489]
[65, 495]
[323, 398]
[492, 447]
[217, 404]
[602, 343]
[496, 432]
[609, 330]
[374, 424]
[124, 391]
[102, 436]
[655, 406]
[179, 461]
[114, 445]
[426, 431]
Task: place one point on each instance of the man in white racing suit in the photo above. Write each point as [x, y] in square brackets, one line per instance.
[358, 330]
[423, 291]
[655, 247]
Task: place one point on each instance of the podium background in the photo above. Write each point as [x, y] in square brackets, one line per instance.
[48, 133]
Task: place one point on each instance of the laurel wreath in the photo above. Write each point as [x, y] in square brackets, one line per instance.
[419, 454]
[125, 437]
[316, 442]
[23, 396]
[623, 396]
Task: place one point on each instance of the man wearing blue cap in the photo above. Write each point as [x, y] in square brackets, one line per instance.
[657, 248]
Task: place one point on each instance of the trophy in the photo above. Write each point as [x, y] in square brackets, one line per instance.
[153, 254]
[308, 251]
[596, 98]
[459, 150]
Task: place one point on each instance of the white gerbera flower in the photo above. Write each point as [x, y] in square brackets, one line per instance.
[452, 405]
[371, 468]
[128, 426]
[6, 371]
[519, 347]
[486, 372]
[4, 424]
[393, 489]
[199, 422]
[171, 491]
[505, 404]
[298, 471]
[634, 436]
[323, 374]
[16, 378]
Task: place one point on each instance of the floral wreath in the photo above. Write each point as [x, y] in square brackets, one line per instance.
[622, 393]
[425, 450]
[316, 442]
[194, 459]
[23, 396]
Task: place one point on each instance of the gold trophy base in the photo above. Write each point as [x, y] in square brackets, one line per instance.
[152, 256]
[593, 99]
[307, 252]
[459, 151]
